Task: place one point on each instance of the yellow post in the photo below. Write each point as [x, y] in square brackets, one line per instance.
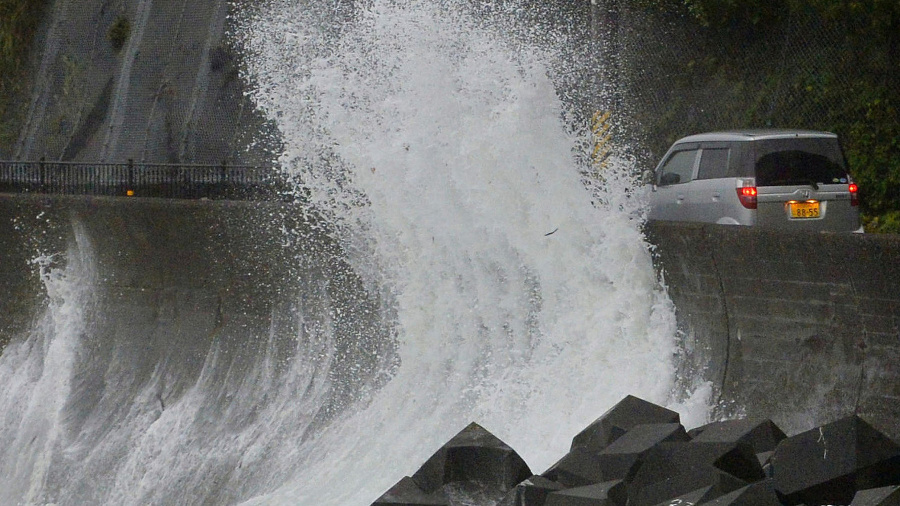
[601, 128]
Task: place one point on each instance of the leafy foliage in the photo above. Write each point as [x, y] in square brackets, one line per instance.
[735, 15]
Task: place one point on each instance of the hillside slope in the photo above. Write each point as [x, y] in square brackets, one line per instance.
[137, 79]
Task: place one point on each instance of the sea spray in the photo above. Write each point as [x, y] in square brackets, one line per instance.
[36, 374]
[440, 152]
[452, 257]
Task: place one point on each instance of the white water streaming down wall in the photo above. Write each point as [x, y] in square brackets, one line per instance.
[438, 149]
[36, 375]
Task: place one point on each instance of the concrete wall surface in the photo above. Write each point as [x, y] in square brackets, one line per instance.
[206, 262]
[169, 283]
[799, 327]
[171, 94]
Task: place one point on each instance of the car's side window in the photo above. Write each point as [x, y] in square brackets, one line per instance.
[678, 168]
[714, 163]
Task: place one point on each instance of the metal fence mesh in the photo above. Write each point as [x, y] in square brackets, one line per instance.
[676, 79]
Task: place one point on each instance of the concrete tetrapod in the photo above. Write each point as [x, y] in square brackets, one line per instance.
[582, 466]
[761, 493]
[727, 463]
[407, 493]
[828, 464]
[668, 459]
[609, 493]
[473, 467]
[627, 413]
[882, 496]
[762, 435]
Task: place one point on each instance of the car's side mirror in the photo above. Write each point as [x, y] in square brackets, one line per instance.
[648, 177]
[669, 178]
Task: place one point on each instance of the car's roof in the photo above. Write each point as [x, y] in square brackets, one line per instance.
[755, 134]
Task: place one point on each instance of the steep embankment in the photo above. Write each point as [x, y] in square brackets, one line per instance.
[801, 327]
[164, 89]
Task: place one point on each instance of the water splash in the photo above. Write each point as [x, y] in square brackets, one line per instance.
[480, 277]
[441, 153]
[36, 374]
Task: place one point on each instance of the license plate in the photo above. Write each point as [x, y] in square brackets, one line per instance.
[803, 210]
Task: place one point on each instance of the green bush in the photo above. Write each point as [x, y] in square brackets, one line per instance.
[119, 32]
[887, 223]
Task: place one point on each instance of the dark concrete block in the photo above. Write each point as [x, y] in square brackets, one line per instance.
[407, 493]
[761, 493]
[627, 413]
[531, 492]
[762, 435]
[617, 460]
[694, 497]
[577, 468]
[582, 466]
[473, 455]
[828, 464]
[460, 493]
[689, 480]
[882, 496]
[765, 460]
[669, 459]
[610, 493]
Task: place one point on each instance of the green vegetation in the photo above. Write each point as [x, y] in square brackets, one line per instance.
[822, 64]
[19, 20]
[119, 32]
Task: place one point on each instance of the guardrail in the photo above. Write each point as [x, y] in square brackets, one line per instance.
[176, 181]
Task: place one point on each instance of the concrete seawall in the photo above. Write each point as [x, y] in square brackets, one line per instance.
[799, 327]
[209, 257]
[177, 285]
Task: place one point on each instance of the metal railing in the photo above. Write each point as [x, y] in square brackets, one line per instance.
[143, 180]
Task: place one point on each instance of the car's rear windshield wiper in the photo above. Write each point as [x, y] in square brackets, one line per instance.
[785, 182]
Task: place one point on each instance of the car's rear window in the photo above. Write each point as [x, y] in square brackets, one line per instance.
[781, 162]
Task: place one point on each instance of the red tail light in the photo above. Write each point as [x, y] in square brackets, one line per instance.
[747, 196]
[854, 194]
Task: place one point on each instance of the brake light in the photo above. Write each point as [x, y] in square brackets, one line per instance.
[747, 196]
[854, 194]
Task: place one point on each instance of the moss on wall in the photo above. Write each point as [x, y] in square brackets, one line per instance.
[119, 32]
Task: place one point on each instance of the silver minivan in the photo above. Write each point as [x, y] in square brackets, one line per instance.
[790, 179]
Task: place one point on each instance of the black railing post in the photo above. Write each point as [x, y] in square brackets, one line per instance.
[42, 175]
[130, 176]
[224, 186]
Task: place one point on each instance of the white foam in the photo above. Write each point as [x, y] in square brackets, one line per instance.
[436, 148]
[523, 301]
[36, 375]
